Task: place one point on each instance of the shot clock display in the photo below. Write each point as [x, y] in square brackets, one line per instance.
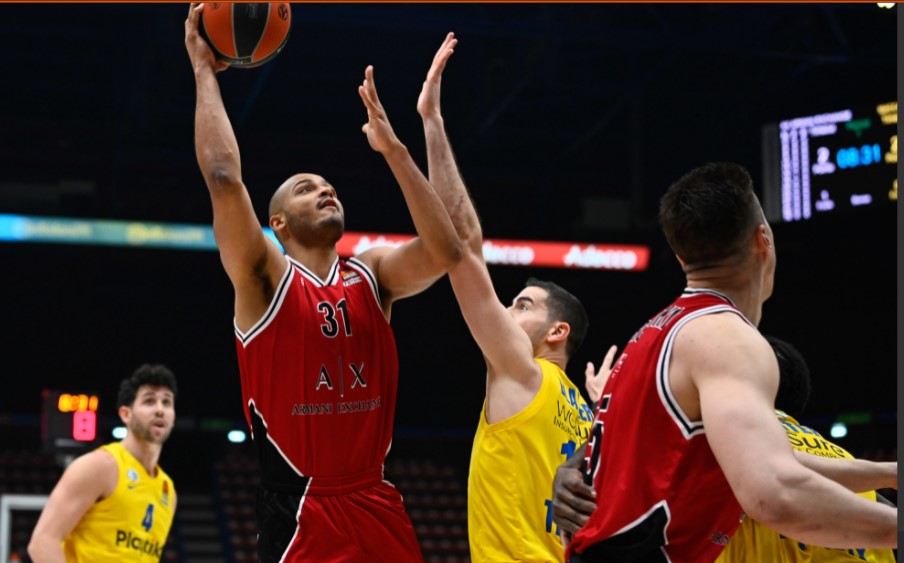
[830, 162]
[69, 421]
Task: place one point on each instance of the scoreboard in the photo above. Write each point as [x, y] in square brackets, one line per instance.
[830, 162]
[69, 421]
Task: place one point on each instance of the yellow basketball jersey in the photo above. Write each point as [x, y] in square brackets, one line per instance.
[129, 525]
[513, 463]
[755, 543]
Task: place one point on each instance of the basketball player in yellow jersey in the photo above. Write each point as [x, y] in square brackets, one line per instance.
[753, 542]
[116, 503]
[533, 416]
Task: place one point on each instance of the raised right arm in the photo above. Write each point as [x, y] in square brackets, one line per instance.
[87, 480]
[253, 263]
[504, 344]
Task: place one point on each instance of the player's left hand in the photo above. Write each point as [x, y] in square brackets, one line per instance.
[595, 381]
[573, 501]
[378, 130]
[428, 101]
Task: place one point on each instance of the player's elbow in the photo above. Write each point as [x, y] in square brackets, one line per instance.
[472, 241]
[772, 501]
[37, 548]
[222, 180]
[774, 512]
[448, 255]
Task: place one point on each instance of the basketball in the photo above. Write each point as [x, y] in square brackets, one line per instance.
[246, 35]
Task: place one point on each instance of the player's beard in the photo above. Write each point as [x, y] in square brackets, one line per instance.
[325, 232]
[145, 432]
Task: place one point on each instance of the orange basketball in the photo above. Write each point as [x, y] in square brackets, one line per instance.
[246, 35]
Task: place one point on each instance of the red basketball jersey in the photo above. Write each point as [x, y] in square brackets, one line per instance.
[661, 495]
[319, 378]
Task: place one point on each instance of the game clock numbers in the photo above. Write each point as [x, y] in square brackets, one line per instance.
[830, 162]
[69, 421]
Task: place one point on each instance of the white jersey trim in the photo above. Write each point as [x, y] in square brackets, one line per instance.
[691, 292]
[369, 276]
[331, 277]
[275, 305]
[665, 537]
[297, 520]
[688, 427]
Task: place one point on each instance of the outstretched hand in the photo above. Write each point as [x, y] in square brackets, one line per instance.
[199, 51]
[573, 501]
[428, 101]
[378, 130]
[595, 381]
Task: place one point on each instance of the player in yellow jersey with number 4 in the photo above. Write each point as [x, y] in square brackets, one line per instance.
[116, 503]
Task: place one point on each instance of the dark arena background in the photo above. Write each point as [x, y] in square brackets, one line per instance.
[568, 121]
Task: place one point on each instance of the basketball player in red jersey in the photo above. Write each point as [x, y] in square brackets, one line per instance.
[316, 354]
[685, 439]
[751, 541]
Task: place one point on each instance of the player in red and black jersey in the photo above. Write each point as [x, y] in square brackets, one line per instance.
[316, 354]
[685, 436]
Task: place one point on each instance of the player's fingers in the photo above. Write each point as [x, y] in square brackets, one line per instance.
[369, 94]
[450, 41]
[567, 524]
[568, 518]
[362, 91]
[372, 88]
[445, 49]
[369, 76]
[610, 357]
[581, 490]
[439, 62]
[589, 372]
[572, 480]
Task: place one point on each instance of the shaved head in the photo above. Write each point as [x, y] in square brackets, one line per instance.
[279, 196]
[297, 210]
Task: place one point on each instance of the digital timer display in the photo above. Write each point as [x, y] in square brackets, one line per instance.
[829, 162]
[69, 421]
[75, 403]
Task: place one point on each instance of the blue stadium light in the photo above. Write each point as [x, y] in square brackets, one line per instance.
[119, 432]
[236, 436]
[839, 430]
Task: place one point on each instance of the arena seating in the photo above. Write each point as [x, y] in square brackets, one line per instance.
[217, 524]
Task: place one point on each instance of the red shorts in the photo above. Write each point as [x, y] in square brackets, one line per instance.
[367, 525]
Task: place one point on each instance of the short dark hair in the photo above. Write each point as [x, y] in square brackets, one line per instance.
[157, 375]
[710, 213]
[563, 306]
[794, 377]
